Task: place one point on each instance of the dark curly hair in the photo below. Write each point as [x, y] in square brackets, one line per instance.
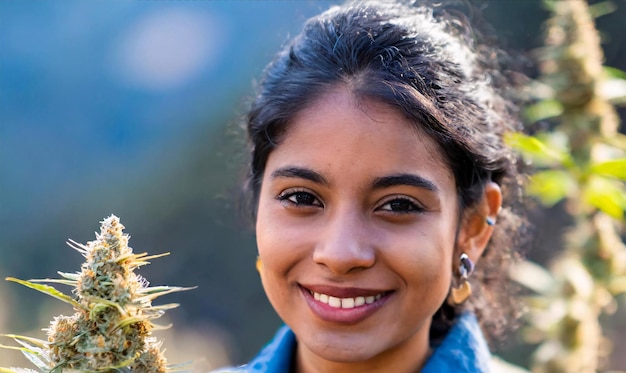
[426, 61]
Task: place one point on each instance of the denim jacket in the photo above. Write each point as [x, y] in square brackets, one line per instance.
[463, 350]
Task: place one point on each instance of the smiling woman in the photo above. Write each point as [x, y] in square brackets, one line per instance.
[379, 179]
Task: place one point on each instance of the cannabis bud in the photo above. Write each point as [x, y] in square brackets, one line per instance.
[111, 328]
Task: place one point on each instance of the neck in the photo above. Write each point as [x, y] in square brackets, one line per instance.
[407, 357]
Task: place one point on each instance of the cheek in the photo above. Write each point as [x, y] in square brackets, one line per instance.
[424, 260]
[280, 244]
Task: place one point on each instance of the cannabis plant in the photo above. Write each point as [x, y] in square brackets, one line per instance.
[581, 162]
[112, 326]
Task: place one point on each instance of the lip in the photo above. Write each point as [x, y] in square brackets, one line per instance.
[346, 316]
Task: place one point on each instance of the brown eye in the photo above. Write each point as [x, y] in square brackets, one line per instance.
[401, 206]
[299, 198]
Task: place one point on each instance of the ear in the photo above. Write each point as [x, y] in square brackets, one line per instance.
[475, 231]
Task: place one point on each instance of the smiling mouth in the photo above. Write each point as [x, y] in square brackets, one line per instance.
[336, 302]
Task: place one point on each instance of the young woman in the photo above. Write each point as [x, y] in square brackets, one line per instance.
[383, 192]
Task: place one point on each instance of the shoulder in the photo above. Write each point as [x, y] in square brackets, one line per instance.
[464, 349]
[275, 357]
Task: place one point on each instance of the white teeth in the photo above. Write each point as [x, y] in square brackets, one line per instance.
[334, 302]
[345, 302]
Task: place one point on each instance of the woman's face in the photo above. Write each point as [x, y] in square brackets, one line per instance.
[356, 227]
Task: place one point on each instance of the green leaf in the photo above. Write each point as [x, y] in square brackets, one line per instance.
[17, 348]
[129, 320]
[46, 290]
[98, 302]
[157, 291]
[614, 168]
[56, 281]
[544, 109]
[69, 276]
[614, 72]
[34, 341]
[35, 355]
[121, 365]
[606, 195]
[536, 150]
[551, 186]
[602, 8]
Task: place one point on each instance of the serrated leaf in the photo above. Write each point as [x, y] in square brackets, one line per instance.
[607, 196]
[614, 168]
[49, 290]
[550, 186]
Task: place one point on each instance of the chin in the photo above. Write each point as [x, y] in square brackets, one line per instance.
[342, 355]
[343, 351]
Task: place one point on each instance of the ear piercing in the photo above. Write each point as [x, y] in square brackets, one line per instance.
[259, 264]
[459, 294]
[490, 221]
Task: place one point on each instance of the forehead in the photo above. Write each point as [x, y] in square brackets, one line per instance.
[339, 129]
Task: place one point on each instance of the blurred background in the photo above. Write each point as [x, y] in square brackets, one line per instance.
[133, 108]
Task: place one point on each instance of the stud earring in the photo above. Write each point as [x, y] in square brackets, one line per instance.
[259, 264]
[460, 294]
[490, 221]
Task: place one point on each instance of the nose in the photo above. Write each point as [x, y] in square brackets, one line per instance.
[346, 244]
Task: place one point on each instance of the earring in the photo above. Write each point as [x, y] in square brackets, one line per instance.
[259, 264]
[459, 294]
[490, 221]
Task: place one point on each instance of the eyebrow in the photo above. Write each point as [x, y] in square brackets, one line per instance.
[302, 173]
[379, 183]
[404, 179]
